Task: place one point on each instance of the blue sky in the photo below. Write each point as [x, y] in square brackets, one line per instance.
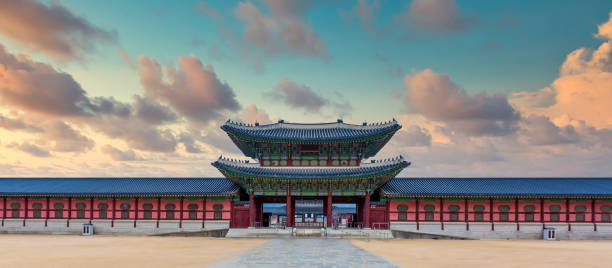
[477, 85]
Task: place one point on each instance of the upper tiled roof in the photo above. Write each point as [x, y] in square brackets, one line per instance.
[254, 169]
[499, 187]
[116, 186]
[310, 132]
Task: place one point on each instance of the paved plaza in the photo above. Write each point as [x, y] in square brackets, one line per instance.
[306, 253]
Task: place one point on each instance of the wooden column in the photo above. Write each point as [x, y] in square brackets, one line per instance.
[367, 210]
[593, 215]
[441, 214]
[330, 216]
[4, 210]
[542, 213]
[91, 209]
[181, 212]
[491, 214]
[567, 219]
[252, 209]
[417, 215]
[113, 213]
[136, 212]
[46, 215]
[465, 215]
[516, 209]
[158, 211]
[204, 212]
[25, 216]
[288, 210]
[69, 211]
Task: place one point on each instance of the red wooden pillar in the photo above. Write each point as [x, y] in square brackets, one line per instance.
[330, 216]
[252, 209]
[69, 211]
[113, 213]
[542, 213]
[593, 215]
[417, 216]
[4, 211]
[491, 214]
[465, 214]
[158, 211]
[292, 212]
[516, 218]
[91, 209]
[288, 210]
[567, 218]
[25, 217]
[181, 213]
[204, 211]
[367, 210]
[441, 213]
[46, 215]
[136, 212]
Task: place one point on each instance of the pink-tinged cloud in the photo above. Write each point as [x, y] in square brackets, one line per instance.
[604, 30]
[298, 96]
[50, 29]
[15, 124]
[213, 14]
[284, 28]
[193, 89]
[251, 114]
[365, 12]
[412, 136]
[119, 155]
[29, 148]
[436, 97]
[61, 137]
[437, 16]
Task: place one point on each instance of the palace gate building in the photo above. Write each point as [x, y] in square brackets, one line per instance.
[312, 176]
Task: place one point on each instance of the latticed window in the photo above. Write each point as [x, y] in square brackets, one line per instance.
[529, 209]
[37, 207]
[193, 214]
[429, 215]
[554, 212]
[147, 213]
[580, 209]
[218, 214]
[102, 209]
[402, 216]
[59, 210]
[605, 216]
[479, 212]
[125, 210]
[80, 210]
[503, 212]
[454, 212]
[15, 207]
[170, 211]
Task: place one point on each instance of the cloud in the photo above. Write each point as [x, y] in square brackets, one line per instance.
[118, 155]
[544, 97]
[126, 58]
[213, 14]
[366, 13]
[189, 143]
[61, 137]
[604, 30]
[299, 96]
[30, 149]
[17, 124]
[193, 90]
[539, 130]
[436, 16]
[152, 112]
[37, 87]
[285, 28]
[412, 136]
[252, 114]
[50, 29]
[437, 98]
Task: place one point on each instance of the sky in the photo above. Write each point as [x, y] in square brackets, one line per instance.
[140, 88]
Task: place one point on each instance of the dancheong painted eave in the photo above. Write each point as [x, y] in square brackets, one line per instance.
[499, 187]
[244, 168]
[318, 132]
[117, 186]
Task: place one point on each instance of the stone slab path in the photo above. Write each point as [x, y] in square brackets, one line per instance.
[306, 253]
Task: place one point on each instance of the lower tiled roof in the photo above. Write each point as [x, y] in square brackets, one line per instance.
[116, 186]
[499, 187]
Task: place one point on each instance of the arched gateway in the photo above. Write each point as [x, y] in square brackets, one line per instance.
[312, 162]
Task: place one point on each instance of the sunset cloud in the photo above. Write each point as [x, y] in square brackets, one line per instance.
[437, 16]
[50, 29]
[251, 114]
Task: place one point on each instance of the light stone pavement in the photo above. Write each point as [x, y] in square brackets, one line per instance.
[306, 253]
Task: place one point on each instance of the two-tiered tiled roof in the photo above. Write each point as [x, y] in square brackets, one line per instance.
[310, 132]
[117, 186]
[253, 169]
[496, 187]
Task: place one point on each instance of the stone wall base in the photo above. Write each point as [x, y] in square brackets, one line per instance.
[507, 230]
